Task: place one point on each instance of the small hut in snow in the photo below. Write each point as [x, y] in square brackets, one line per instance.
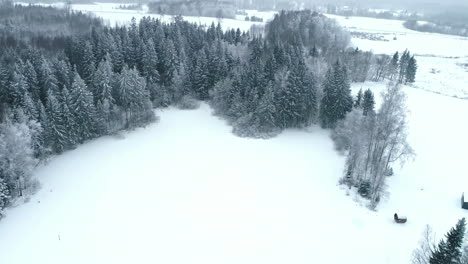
[400, 219]
[464, 204]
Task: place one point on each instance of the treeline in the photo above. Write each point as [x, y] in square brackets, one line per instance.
[440, 27]
[206, 8]
[110, 78]
[42, 27]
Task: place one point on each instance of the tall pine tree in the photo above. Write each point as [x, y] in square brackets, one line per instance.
[368, 102]
[337, 100]
[82, 106]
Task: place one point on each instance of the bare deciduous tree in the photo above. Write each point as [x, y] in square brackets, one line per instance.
[427, 245]
[374, 143]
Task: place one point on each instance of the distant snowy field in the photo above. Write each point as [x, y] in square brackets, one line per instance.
[112, 15]
[185, 190]
[419, 43]
[442, 59]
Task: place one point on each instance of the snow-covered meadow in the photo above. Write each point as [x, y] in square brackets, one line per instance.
[112, 15]
[185, 190]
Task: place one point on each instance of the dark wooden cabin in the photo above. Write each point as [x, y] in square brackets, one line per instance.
[464, 204]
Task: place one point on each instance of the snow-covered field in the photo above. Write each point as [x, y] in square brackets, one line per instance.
[112, 15]
[185, 190]
[419, 43]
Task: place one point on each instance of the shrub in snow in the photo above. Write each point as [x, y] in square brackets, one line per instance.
[389, 172]
[249, 126]
[244, 126]
[188, 103]
[4, 195]
[364, 189]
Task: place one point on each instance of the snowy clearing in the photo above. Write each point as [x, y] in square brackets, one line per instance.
[279, 203]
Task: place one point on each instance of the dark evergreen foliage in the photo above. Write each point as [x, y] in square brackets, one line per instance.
[358, 101]
[368, 102]
[449, 251]
[337, 100]
[411, 70]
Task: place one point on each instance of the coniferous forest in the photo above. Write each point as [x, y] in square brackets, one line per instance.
[66, 78]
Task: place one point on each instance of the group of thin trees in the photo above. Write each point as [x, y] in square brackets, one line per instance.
[400, 69]
[374, 141]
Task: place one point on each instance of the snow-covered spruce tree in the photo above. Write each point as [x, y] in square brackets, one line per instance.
[29, 107]
[449, 251]
[150, 63]
[62, 71]
[455, 239]
[261, 123]
[222, 96]
[255, 83]
[200, 76]
[368, 102]
[18, 88]
[47, 81]
[102, 88]
[393, 67]
[56, 132]
[69, 119]
[358, 101]
[236, 106]
[87, 66]
[82, 106]
[411, 70]
[166, 63]
[134, 99]
[337, 100]
[265, 113]
[403, 66]
[43, 148]
[31, 80]
[309, 99]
